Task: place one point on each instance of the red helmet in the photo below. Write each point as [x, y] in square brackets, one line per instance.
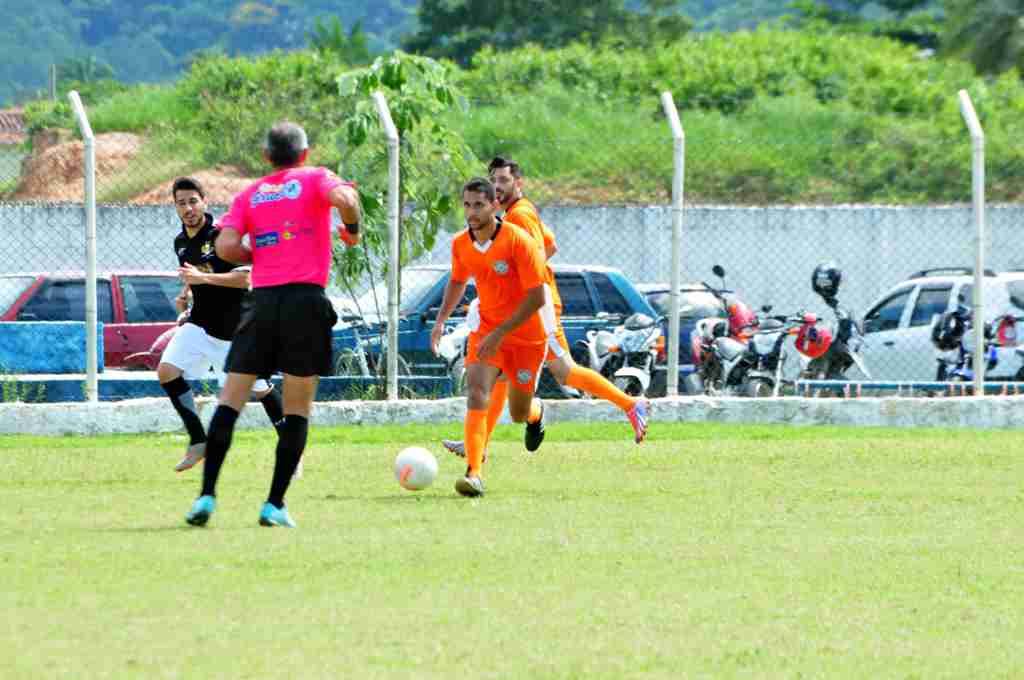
[812, 341]
[742, 320]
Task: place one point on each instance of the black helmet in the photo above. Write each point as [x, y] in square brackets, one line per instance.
[948, 330]
[826, 279]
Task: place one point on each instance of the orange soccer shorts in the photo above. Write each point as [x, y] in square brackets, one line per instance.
[521, 364]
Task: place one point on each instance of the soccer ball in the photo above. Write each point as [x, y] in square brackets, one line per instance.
[415, 468]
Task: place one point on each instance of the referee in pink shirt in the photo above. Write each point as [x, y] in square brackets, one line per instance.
[286, 324]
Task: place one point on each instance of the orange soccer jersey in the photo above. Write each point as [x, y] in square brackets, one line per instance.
[524, 215]
[504, 268]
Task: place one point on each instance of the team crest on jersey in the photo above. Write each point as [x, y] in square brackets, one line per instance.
[207, 248]
[268, 193]
[501, 267]
[523, 376]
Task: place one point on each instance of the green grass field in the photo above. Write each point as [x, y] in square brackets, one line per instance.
[709, 551]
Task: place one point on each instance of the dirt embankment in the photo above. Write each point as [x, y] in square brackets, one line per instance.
[54, 172]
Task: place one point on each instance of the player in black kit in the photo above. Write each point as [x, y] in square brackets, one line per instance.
[201, 342]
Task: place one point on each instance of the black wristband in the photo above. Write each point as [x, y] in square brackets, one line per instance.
[352, 228]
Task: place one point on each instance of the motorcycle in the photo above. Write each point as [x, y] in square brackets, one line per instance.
[831, 360]
[954, 356]
[627, 354]
[718, 345]
[452, 348]
[765, 359]
[642, 345]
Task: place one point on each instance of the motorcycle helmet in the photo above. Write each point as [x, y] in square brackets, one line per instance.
[813, 341]
[948, 330]
[826, 279]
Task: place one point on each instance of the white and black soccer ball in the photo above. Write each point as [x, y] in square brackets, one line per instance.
[415, 468]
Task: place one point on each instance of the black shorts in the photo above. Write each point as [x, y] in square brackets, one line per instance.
[284, 328]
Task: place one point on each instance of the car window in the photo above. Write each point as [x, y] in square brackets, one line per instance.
[612, 301]
[149, 299]
[11, 288]
[931, 300]
[887, 314]
[692, 304]
[65, 301]
[1014, 288]
[575, 295]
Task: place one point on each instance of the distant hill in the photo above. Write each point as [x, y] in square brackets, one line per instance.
[154, 42]
[136, 41]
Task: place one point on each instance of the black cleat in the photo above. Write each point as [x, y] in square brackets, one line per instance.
[535, 432]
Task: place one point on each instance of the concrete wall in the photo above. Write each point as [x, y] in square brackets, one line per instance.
[769, 252]
[156, 415]
[46, 347]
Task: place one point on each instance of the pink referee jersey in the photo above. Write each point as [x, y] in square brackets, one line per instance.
[287, 216]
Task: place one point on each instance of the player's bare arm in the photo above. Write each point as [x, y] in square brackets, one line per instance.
[345, 198]
[229, 247]
[530, 305]
[453, 292]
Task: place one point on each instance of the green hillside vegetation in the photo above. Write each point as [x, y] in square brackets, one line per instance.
[771, 116]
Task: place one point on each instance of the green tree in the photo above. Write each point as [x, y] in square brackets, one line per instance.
[84, 69]
[435, 160]
[353, 48]
[990, 33]
[458, 29]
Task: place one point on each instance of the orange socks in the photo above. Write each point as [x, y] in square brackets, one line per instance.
[475, 437]
[593, 382]
[499, 395]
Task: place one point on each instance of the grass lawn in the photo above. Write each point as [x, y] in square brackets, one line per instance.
[713, 551]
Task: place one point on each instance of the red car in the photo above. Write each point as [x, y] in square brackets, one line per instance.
[134, 307]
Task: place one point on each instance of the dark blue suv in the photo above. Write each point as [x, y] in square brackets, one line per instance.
[593, 297]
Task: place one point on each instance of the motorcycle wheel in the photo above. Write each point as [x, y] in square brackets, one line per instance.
[693, 384]
[347, 364]
[630, 386]
[758, 388]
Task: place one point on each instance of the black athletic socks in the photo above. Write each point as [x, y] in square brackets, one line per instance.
[274, 408]
[181, 397]
[291, 442]
[218, 441]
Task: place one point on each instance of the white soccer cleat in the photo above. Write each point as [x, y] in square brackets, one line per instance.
[193, 455]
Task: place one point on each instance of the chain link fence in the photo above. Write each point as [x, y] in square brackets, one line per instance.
[605, 191]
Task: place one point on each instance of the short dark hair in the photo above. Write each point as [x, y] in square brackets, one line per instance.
[187, 184]
[479, 185]
[502, 162]
[285, 143]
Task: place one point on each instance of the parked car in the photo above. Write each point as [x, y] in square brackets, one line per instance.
[134, 307]
[696, 302]
[897, 327]
[593, 297]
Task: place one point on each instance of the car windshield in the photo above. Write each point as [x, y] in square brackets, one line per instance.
[693, 304]
[416, 282]
[11, 287]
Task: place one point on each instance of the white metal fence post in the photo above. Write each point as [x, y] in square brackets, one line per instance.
[678, 176]
[978, 202]
[91, 359]
[391, 132]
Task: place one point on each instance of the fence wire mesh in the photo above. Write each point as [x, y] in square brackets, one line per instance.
[603, 185]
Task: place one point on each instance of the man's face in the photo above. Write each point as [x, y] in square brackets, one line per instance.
[479, 209]
[191, 207]
[507, 188]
